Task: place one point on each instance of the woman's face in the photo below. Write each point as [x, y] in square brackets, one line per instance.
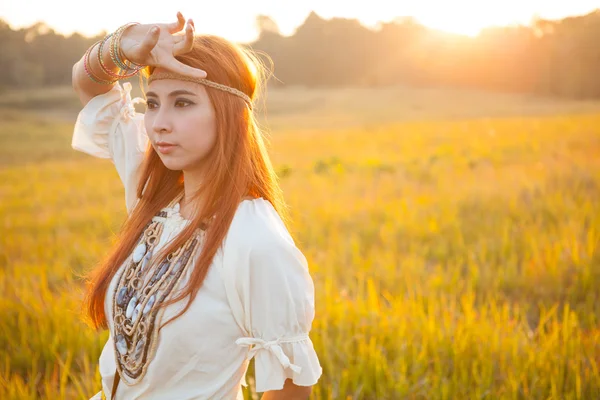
[180, 113]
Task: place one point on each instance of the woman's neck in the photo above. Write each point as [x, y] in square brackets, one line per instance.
[188, 205]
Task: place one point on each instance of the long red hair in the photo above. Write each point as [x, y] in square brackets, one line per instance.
[238, 166]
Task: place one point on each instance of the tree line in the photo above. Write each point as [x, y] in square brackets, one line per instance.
[549, 57]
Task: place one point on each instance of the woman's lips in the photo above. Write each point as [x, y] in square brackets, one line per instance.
[166, 148]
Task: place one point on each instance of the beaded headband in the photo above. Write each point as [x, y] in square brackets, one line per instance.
[171, 75]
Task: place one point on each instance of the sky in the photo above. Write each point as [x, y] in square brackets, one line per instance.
[235, 20]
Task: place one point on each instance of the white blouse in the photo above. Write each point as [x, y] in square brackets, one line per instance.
[257, 299]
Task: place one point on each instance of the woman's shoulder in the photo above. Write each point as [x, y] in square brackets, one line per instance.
[257, 224]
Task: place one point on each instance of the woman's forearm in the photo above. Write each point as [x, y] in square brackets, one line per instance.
[290, 391]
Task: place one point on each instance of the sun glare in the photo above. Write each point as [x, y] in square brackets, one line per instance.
[468, 25]
[470, 28]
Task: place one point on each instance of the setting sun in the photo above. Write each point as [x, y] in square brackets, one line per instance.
[469, 25]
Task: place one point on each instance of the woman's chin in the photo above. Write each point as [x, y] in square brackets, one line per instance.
[171, 164]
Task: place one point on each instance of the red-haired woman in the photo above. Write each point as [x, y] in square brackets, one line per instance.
[204, 275]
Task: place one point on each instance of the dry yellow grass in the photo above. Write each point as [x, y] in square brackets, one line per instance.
[453, 259]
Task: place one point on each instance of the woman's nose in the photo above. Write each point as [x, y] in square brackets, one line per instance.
[162, 121]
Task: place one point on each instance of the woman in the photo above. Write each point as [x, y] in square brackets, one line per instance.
[205, 274]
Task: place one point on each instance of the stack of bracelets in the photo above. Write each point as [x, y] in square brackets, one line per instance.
[127, 68]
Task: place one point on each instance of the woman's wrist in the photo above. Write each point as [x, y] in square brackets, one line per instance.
[92, 65]
[128, 33]
[105, 63]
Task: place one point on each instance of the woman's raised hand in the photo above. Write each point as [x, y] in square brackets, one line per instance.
[158, 44]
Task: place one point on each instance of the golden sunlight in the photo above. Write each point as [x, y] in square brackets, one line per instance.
[468, 22]
[463, 27]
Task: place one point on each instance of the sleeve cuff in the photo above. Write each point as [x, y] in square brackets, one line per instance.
[277, 360]
[93, 123]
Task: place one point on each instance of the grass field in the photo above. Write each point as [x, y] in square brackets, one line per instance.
[453, 238]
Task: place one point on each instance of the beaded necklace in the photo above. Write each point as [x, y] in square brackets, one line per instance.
[139, 293]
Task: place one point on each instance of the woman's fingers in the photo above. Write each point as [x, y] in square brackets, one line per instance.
[178, 67]
[182, 43]
[175, 27]
[186, 42]
[150, 40]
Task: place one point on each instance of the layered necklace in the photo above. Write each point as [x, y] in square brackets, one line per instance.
[139, 293]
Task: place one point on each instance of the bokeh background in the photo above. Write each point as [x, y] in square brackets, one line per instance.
[442, 165]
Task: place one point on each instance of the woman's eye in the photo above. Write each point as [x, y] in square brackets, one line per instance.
[179, 102]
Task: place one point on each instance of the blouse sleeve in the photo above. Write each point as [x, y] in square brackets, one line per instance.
[277, 295]
[109, 127]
